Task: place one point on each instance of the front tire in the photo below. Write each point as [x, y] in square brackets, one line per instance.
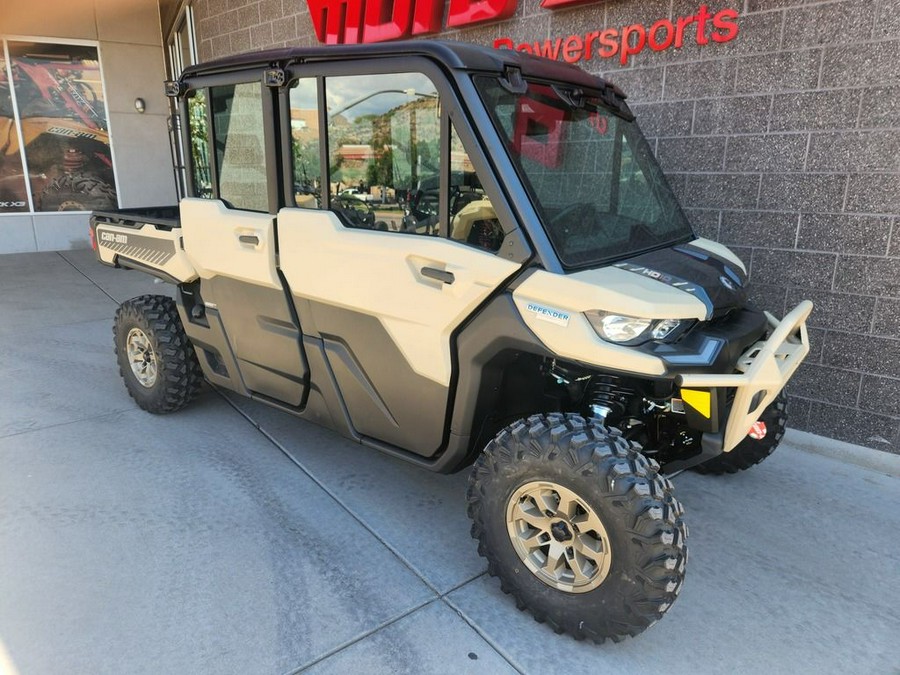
[578, 525]
[156, 359]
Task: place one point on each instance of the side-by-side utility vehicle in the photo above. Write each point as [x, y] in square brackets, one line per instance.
[549, 319]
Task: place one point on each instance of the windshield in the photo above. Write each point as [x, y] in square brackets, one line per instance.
[591, 174]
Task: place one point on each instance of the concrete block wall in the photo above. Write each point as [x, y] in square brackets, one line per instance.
[783, 144]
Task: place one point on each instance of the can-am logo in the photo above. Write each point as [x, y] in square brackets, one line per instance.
[367, 21]
[113, 238]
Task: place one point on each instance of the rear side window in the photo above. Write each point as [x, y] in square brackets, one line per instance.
[240, 148]
[307, 169]
[228, 150]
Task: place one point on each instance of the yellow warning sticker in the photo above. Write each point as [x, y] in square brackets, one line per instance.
[698, 400]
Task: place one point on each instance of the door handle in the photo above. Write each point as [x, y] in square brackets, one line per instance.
[249, 239]
[440, 275]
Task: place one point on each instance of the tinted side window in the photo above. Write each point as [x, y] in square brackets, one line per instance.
[472, 216]
[239, 142]
[305, 143]
[384, 151]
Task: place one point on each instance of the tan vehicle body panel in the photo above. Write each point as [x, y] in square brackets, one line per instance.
[718, 249]
[607, 289]
[212, 241]
[153, 248]
[379, 274]
[419, 313]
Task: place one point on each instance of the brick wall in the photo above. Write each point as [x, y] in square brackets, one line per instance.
[783, 144]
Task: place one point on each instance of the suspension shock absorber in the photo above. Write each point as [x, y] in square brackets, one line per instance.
[607, 398]
[73, 160]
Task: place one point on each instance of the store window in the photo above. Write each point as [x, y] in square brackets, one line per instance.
[53, 128]
[182, 48]
[182, 45]
[13, 191]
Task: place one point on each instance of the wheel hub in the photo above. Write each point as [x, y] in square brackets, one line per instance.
[560, 531]
[558, 536]
[141, 357]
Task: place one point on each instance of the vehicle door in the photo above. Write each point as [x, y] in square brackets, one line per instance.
[229, 232]
[386, 301]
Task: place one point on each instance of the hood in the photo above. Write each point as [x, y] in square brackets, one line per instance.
[717, 282]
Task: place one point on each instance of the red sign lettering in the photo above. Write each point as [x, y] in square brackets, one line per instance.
[468, 12]
[627, 41]
[355, 21]
[556, 4]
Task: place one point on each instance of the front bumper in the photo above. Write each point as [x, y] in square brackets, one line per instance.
[764, 369]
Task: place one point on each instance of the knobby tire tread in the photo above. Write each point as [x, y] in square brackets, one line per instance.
[179, 369]
[631, 487]
[750, 452]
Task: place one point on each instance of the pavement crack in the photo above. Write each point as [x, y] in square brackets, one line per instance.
[74, 267]
[359, 519]
[481, 633]
[66, 423]
[362, 636]
[439, 596]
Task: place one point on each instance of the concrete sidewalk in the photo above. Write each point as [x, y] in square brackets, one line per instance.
[231, 538]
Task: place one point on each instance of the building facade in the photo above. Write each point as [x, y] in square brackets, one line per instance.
[776, 121]
[83, 117]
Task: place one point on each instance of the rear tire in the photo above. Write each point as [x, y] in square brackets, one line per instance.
[578, 525]
[156, 359]
[750, 451]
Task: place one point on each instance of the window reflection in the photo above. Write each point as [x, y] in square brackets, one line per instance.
[383, 142]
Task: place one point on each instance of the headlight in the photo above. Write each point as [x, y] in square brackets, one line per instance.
[662, 329]
[617, 328]
[629, 329]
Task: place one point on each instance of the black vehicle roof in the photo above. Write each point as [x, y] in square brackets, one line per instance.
[454, 55]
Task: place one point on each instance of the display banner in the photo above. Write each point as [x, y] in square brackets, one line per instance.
[57, 91]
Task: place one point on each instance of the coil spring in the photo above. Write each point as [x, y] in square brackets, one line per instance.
[607, 397]
[73, 160]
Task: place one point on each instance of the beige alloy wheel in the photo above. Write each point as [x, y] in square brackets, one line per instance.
[558, 536]
[141, 357]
